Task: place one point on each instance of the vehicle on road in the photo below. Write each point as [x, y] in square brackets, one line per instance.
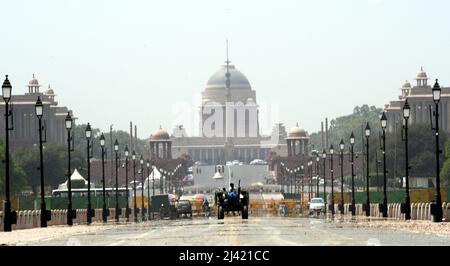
[316, 205]
[184, 207]
[258, 162]
[232, 201]
[162, 205]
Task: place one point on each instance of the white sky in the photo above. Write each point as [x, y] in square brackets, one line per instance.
[116, 61]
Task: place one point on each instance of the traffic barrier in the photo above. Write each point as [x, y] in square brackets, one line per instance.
[446, 212]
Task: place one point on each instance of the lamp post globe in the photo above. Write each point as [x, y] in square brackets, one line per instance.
[102, 141]
[39, 108]
[436, 91]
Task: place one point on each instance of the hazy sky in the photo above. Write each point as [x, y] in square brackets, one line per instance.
[116, 61]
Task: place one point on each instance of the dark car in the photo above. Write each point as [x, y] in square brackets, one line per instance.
[184, 207]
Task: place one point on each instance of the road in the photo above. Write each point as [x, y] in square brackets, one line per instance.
[256, 231]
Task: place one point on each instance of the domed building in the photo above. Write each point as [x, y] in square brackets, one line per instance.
[25, 133]
[229, 123]
[420, 99]
[160, 144]
[297, 141]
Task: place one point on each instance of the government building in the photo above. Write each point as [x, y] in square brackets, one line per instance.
[229, 126]
[420, 99]
[24, 121]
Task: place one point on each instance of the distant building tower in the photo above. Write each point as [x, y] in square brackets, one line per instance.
[297, 141]
[160, 144]
[33, 85]
[421, 78]
[50, 93]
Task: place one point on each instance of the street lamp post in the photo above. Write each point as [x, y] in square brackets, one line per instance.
[367, 205]
[141, 161]
[384, 208]
[437, 209]
[71, 214]
[133, 156]
[341, 148]
[148, 189]
[317, 175]
[105, 212]
[153, 180]
[9, 217]
[352, 143]
[45, 215]
[324, 157]
[118, 210]
[406, 208]
[310, 179]
[332, 179]
[127, 205]
[90, 211]
[302, 185]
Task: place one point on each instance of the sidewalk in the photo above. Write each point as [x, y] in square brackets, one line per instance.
[22, 236]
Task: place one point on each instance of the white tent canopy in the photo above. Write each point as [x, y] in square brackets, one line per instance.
[77, 177]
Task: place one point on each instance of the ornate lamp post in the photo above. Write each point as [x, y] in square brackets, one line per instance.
[45, 215]
[141, 162]
[324, 157]
[437, 209]
[310, 179]
[127, 206]
[341, 148]
[133, 156]
[302, 185]
[384, 208]
[352, 143]
[71, 214]
[9, 217]
[367, 205]
[406, 208]
[105, 211]
[118, 210]
[332, 179]
[148, 189]
[318, 178]
[90, 211]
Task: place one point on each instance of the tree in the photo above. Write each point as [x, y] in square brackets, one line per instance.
[55, 165]
[341, 127]
[17, 175]
[122, 137]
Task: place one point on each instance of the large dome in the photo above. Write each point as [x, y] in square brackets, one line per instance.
[422, 74]
[160, 134]
[33, 81]
[297, 132]
[237, 79]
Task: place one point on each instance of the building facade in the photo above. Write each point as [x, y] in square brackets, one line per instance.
[24, 121]
[229, 124]
[421, 102]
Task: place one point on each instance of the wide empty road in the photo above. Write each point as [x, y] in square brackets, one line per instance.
[256, 231]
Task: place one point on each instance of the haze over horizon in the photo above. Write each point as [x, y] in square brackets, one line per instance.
[113, 62]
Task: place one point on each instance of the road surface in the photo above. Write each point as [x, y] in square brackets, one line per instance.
[256, 231]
